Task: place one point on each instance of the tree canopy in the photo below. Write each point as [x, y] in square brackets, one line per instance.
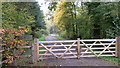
[90, 20]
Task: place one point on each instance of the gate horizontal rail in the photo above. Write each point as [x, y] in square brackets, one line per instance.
[76, 40]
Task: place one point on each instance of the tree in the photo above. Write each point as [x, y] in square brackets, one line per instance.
[19, 18]
[91, 20]
[64, 18]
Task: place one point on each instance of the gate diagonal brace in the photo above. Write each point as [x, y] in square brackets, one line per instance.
[68, 49]
[106, 48]
[89, 47]
[49, 50]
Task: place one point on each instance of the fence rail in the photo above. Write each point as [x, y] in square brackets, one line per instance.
[4, 61]
[76, 40]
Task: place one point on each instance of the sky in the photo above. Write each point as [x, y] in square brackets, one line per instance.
[44, 5]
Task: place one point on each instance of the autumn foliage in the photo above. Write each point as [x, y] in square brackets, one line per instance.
[9, 38]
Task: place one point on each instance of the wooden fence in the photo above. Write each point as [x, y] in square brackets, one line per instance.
[76, 48]
[15, 49]
[15, 56]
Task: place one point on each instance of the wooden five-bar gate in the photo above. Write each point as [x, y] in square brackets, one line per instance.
[75, 48]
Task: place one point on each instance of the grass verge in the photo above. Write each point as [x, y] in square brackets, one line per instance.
[59, 37]
[42, 38]
[27, 62]
[111, 59]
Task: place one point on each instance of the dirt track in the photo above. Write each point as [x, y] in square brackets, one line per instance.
[75, 62]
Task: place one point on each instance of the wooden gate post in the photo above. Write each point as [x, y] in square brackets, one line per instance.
[78, 48]
[117, 53]
[36, 50]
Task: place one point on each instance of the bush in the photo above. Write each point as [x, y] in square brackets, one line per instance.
[37, 34]
[44, 32]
